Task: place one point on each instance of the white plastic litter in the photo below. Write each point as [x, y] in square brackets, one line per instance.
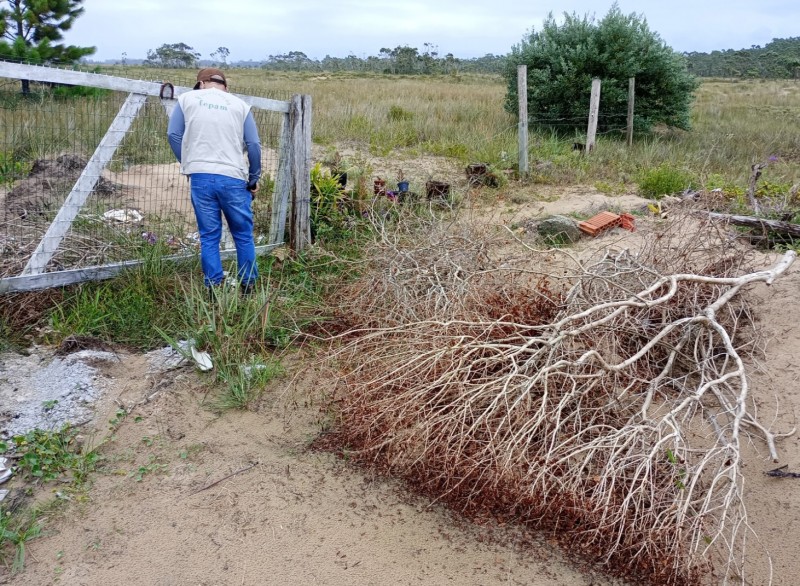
[202, 359]
[123, 216]
[5, 473]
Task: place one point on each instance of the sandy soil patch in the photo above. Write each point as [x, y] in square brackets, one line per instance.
[290, 516]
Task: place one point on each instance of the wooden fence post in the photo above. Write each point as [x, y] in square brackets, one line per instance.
[629, 128]
[522, 91]
[594, 107]
[283, 183]
[300, 233]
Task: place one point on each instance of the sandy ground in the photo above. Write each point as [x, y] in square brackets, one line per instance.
[186, 496]
[290, 516]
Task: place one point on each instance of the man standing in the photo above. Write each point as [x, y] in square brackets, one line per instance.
[209, 132]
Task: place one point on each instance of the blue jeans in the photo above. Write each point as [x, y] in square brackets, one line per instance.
[213, 195]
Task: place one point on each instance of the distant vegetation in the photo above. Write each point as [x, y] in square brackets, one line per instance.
[402, 60]
[779, 59]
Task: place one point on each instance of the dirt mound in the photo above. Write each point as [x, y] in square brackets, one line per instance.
[47, 185]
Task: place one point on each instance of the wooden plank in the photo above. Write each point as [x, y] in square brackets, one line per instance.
[148, 88]
[283, 183]
[301, 192]
[84, 185]
[631, 96]
[594, 108]
[304, 171]
[98, 273]
[522, 91]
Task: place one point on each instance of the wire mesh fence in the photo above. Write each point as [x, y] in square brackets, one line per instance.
[138, 199]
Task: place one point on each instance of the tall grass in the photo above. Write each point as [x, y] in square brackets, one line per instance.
[735, 123]
[133, 309]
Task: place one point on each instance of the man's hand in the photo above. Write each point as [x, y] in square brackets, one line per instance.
[252, 187]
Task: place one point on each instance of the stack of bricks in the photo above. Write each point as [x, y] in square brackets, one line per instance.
[605, 221]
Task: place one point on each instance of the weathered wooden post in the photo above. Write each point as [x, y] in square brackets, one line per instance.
[594, 107]
[629, 127]
[300, 233]
[522, 91]
[283, 183]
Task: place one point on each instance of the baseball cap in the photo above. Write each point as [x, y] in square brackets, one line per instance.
[210, 74]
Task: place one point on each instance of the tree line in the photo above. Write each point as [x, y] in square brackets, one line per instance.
[403, 60]
[777, 59]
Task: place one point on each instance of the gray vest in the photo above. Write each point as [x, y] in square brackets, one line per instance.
[213, 141]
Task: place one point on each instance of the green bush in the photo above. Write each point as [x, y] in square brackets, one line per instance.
[664, 180]
[563, 59]
[327, 198]
[398, 114]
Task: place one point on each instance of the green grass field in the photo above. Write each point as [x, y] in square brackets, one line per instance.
[735, 124]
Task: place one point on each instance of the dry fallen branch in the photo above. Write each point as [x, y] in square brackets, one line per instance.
[760, 223]
[782, 472]
[755, 174]
[611, 412]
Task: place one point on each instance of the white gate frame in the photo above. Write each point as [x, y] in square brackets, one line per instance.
[294, 165]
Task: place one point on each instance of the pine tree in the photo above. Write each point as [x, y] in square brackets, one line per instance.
[30, 31]
[563, 59]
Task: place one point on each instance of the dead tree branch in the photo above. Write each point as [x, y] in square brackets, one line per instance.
[612, 411]
[763, 224]
[755, 174]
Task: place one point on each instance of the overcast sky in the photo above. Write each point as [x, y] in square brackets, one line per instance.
[254, 29]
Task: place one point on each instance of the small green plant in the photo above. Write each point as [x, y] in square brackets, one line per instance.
[399, 114]
[728, 188]
[153, 466]
[557, 240]
[11, 168]
[246, 384]
[327, 198]
[15, 532]
[609, 188]
[119, 417]
[48, 455]
[673, 459]
[664, 180]
[191, 451]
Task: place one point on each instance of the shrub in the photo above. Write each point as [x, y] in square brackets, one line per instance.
[664, 180]
[327, 199]
[399, 114]
[563, 59]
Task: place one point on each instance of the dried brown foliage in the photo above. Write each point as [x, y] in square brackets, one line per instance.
[606, 405]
